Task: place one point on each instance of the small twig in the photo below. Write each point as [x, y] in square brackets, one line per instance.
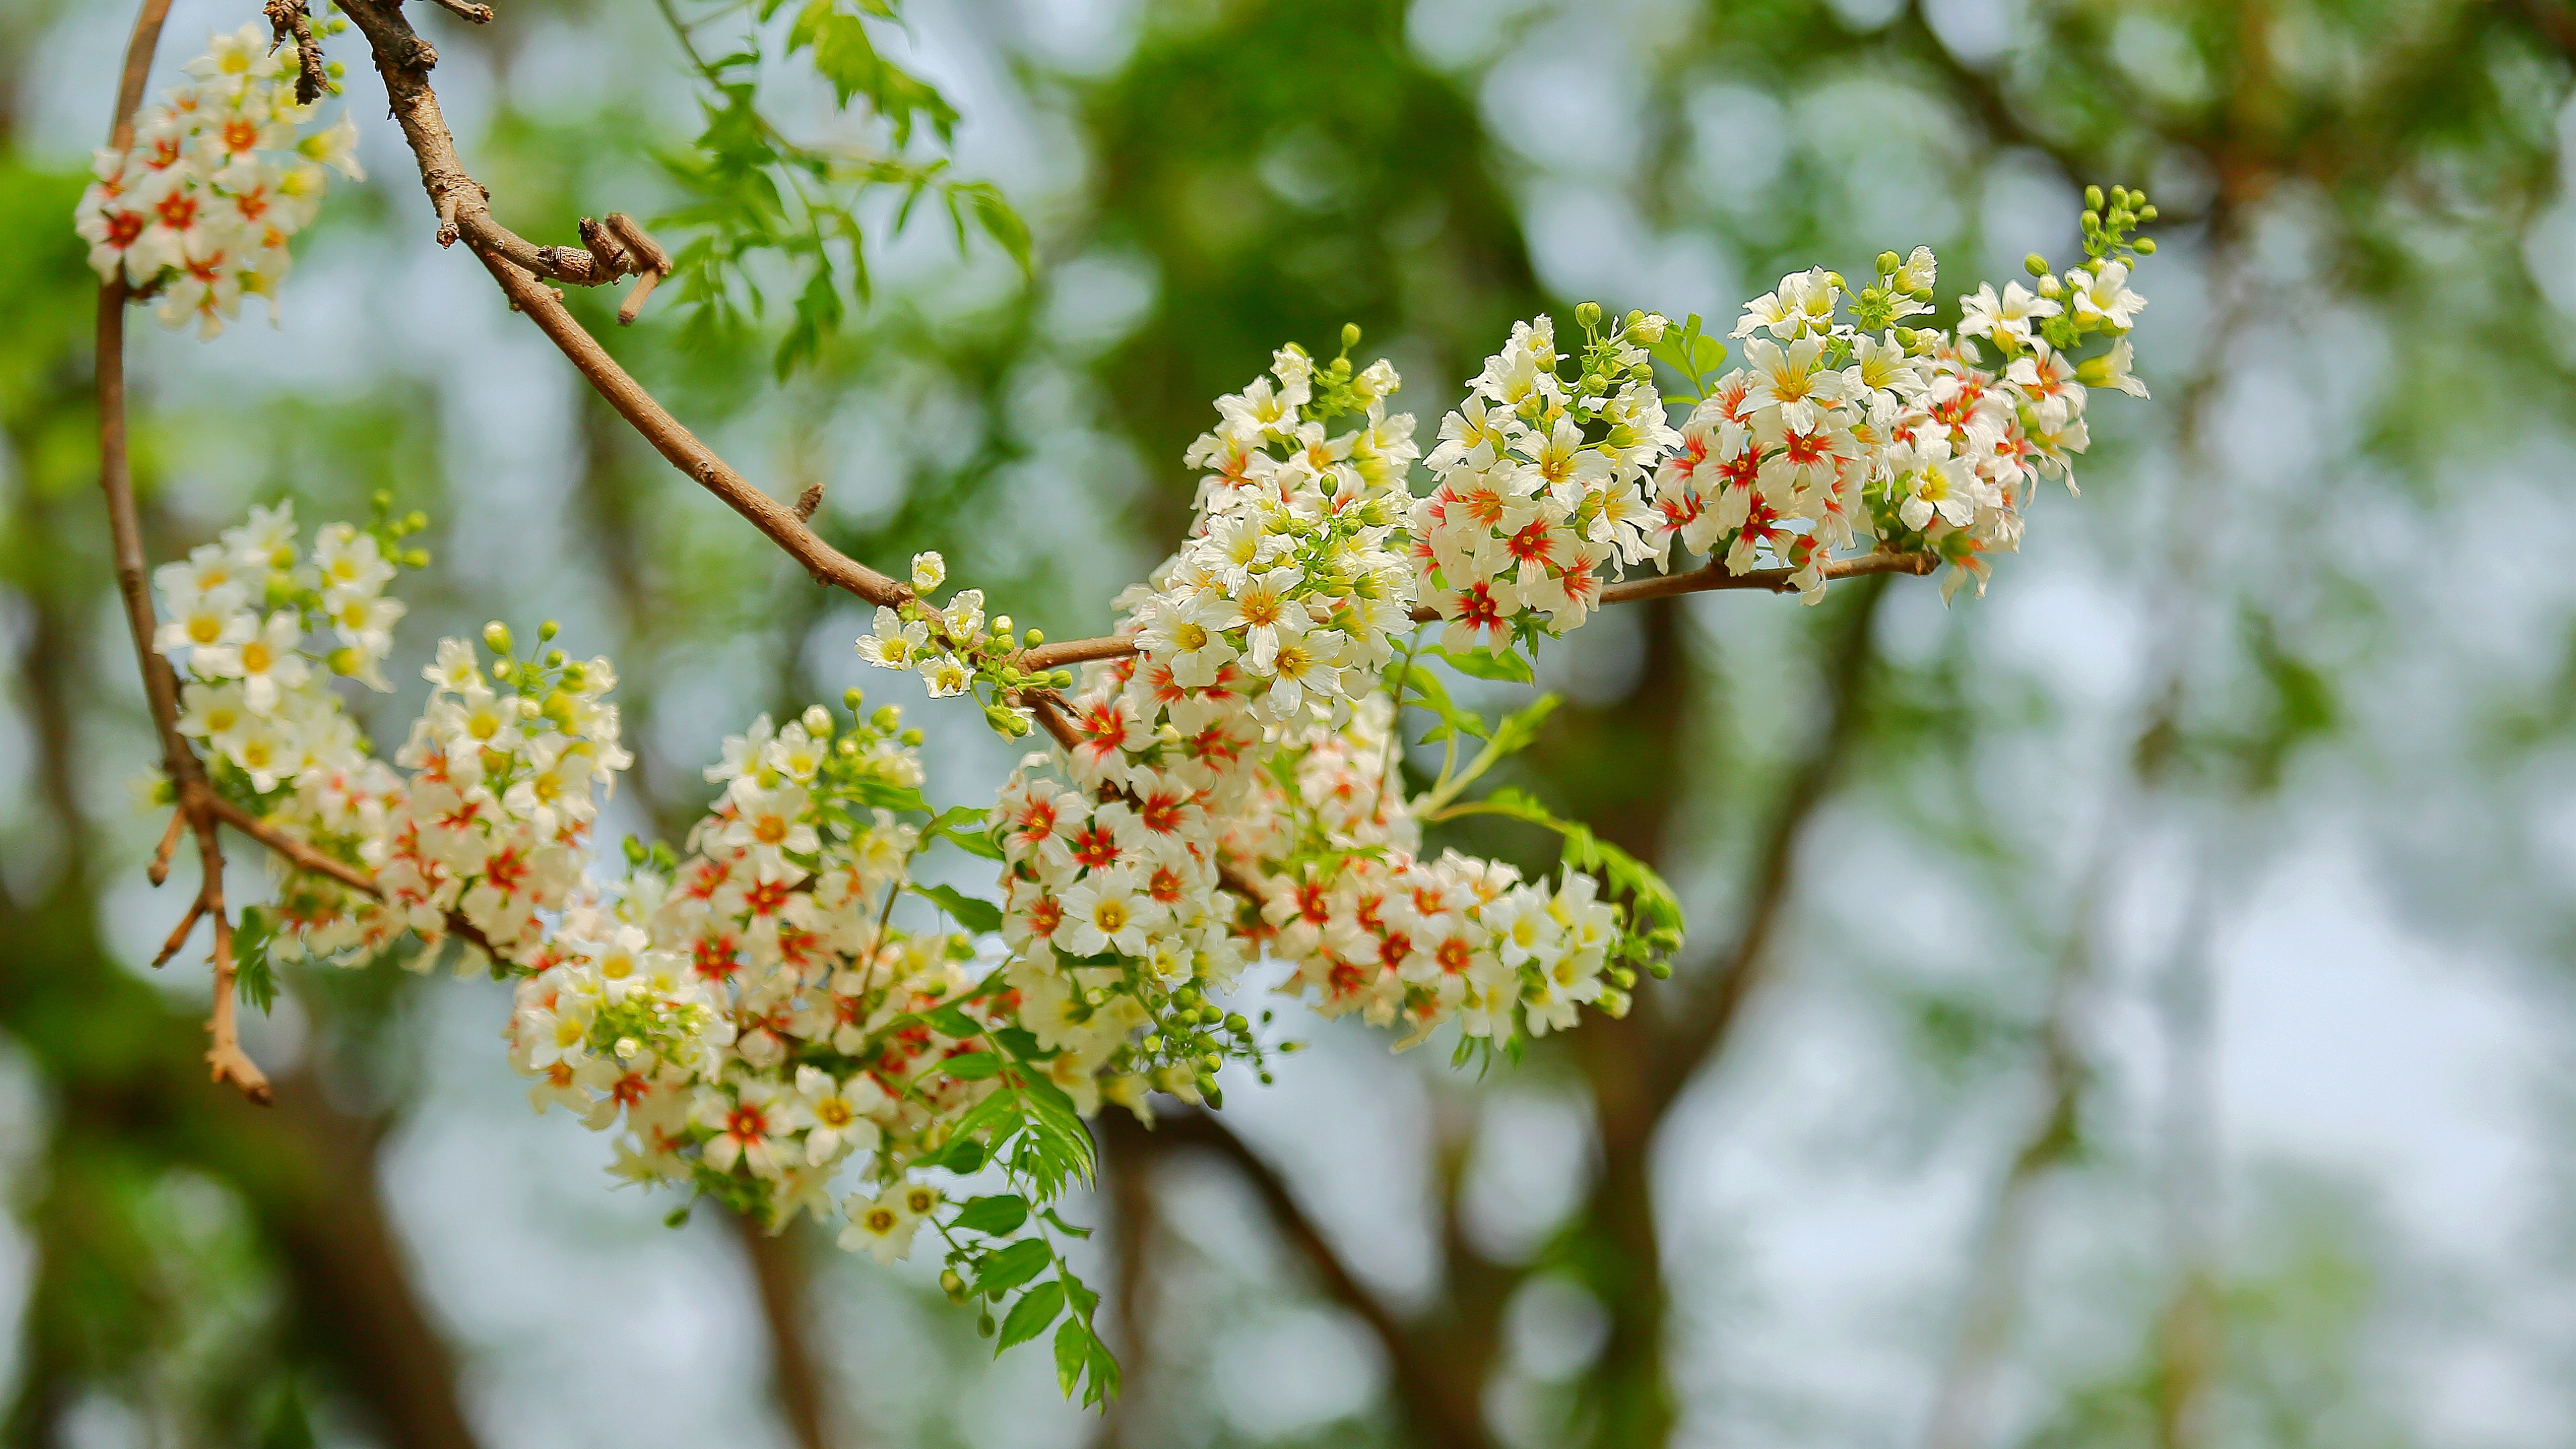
[160, 870]
[479, 14]
[807, 501]
[179, 937]
[1710, 579]
[652, 265]
[291, 18]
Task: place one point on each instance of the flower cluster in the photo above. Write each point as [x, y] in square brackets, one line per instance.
[1541, 493]
[954, 648]
[200, 208]
[257, 630]
[1924, 441]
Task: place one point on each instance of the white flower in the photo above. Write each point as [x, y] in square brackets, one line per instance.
[770, 823]
[945, 674]
[929, 570]
[1260, 606]
[2102, 295]
[266, 661]
[751, 1125]
[839, 1112]
[879, 1226]
[208, 628]
[1104, 913]
[895, 644]
[2007, 320]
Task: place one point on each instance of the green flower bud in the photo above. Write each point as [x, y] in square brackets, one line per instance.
[2145, 246]
[2092, 198]
[887, 719]
[502, 669]
[414, 521]
[1350, 335]
[911, 737]
[548, 630]
[1237, 1024]
[1587, 315]
[1888, 263]
[852, 698]
[496, 637]
[383, 500]
[415, 558]
[2035, 264]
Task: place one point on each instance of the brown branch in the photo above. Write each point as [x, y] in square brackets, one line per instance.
[290, 18]
[1712, 578]
[479, 14]
[224, 1056]
[780, 1275]
[1441, 1412]
[1704, 1025]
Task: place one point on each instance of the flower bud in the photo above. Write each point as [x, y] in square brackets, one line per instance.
[952, 1285]
[1587, 315]
[2092, 198]
[2035, 264]
[818, 720]
[501, 669]
[634, 851]
[2144, 246]
[548, 630]
[1002, 625]
[496, 637]
[1035, 637]
[887, 719]
[1888, 262]
[383, 500]
[414, 521]
[928, 571]
[911, 738]
[415, 558]
[1350, 335]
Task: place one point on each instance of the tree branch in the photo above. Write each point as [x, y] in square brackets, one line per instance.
[1705, 1024]
[464, 210]
[1438, 1411]
[224, 1056]
[1710, 578]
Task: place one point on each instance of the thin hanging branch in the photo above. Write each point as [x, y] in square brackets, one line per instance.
[196, 800]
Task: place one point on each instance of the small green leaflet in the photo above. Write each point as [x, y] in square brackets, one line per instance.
[974, 915]
[1511, 666]
[994, 1216]
[1693, 354]
[964, 827]
[1030, 1316]
[1014, 1265]
[971, 1066]
[1432, 695]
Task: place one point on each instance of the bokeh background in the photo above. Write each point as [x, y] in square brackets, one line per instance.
[2129, 1009]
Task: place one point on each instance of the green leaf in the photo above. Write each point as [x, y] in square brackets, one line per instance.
[952, 1021]
[885, 795]
[1030, 1316]
[1104, 1375]
[995, 1216]
[1013, 1265]
[971, 1066]
[1072, 1353]
[1691, 353]
[1432, 695]
[1510, 665]
[254, 980]
[974, 915]
[1518, 730]
[965, 826]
